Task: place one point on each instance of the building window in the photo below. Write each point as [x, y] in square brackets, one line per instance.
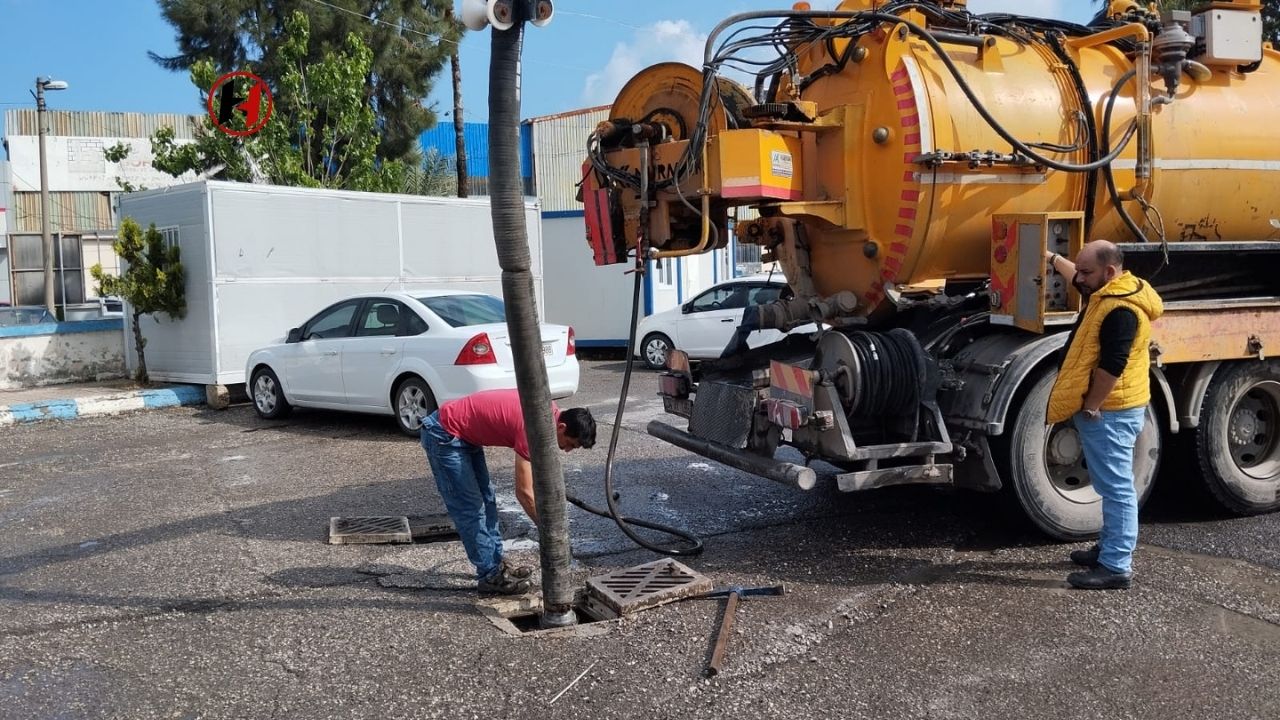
[746, 259]
[665, 272]
[170, 235]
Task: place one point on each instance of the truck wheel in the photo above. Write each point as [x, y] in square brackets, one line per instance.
[268, 396]
[654, 350]
[413, 402]
[1045, 466]
[1238, 441]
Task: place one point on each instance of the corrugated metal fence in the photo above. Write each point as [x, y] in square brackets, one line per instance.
[76, 123]
[559, 148]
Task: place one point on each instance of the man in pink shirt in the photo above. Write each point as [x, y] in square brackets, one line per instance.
[454, 438]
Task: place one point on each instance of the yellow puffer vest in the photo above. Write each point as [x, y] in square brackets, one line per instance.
[1133, 389]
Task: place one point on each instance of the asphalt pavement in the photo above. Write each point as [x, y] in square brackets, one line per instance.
[173, 564]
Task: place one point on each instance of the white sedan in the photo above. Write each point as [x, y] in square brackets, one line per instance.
[401, 354]
[703, 326]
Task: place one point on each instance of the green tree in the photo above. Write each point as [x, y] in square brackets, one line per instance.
[411, 42]
[322, 131]
[153, 280]
[429, 174]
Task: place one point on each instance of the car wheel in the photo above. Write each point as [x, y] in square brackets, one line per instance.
[268, 396]
[414, 401]
[654, 350]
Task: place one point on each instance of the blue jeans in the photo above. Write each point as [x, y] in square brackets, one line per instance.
[463, 480]
[1108, 448]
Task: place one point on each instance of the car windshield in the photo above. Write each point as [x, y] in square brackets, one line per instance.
[24, 316]
[464, 310]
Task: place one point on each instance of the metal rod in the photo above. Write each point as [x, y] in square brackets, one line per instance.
[722, 635]
[776, 470]
[955, 38]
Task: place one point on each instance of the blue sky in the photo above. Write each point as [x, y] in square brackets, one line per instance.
[580, 59]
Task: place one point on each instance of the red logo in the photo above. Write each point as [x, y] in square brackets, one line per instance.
[239, 94]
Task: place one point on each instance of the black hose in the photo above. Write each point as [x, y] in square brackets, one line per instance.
[693, 544]
[512, 241]
[1110, 175]
[1091, 185]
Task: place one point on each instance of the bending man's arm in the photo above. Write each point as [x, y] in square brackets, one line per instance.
[524, 488]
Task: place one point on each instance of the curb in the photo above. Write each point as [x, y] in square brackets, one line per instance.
[100, 405]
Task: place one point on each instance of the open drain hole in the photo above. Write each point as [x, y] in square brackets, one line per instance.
[527, 622]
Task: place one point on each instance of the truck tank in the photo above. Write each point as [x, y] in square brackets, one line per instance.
[909, 165]
[889, 139]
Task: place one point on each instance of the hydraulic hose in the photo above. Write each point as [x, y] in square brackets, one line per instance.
[1110, 175]
[692, 545]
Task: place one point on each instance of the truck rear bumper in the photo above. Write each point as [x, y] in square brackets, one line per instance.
[778, 471]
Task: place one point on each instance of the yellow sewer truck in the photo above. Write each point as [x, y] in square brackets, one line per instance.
[907, 165]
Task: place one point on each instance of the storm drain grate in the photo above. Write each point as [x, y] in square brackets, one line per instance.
[645, 586]
[430, 528]
[353, 530]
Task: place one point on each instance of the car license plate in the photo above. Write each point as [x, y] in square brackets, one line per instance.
[548, 349]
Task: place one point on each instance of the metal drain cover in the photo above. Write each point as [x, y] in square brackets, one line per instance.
[353, 530]
[431, 527]
[645, 586]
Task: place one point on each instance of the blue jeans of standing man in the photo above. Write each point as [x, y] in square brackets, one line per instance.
[1108, 448]
[463, 480]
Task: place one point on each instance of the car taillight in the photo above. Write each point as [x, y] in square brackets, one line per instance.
[573, 346]
[477, 351]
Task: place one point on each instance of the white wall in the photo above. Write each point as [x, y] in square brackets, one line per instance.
[78, 163]
[262, 259]
[594, 300]
[33, 360]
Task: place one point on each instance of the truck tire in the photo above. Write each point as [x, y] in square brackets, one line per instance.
[267, 394]
[654, 350]
[413, 401]
[1238, 441]
[1045, 467]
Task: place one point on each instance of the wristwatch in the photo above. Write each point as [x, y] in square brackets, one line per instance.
[1092, 414]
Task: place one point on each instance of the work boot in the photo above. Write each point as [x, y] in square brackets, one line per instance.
[1100, 578]
[517, 571]
[1087, 558]
[504, 582]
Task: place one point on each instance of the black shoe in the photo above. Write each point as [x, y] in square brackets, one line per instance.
[504, 582]
[1100, 578]
[1087, 558]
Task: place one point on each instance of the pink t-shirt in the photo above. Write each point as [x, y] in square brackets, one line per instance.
[489, 419]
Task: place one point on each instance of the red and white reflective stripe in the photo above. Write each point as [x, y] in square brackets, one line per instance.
[790, 378]
[784, 414]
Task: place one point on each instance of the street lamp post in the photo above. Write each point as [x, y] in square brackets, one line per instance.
[42, 84]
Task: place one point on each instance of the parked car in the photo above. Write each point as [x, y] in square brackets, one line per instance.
[703, 326]
[401, 354]
[25, 315]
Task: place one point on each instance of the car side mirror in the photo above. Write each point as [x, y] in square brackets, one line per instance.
[687, 308]
[295, 335]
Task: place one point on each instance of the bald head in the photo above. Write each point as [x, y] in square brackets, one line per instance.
[1104, 253]
[1098, 263]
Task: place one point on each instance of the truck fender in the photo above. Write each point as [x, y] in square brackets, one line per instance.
[990, 371]
[995, 367]
[1193, 387]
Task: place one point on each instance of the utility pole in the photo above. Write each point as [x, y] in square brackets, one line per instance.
[511, 236]
[459, 126]
[50, 301]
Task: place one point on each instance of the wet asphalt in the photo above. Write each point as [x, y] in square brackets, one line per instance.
[174, 564]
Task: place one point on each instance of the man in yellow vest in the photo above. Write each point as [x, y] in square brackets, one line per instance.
[1104, 386]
